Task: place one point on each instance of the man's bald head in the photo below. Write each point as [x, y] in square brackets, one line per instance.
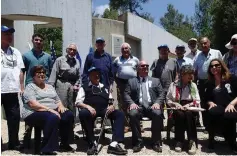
[205, 44]
[143, 68]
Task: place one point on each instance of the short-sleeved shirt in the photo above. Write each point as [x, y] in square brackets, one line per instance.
[31, 59]
[47, 97]
[184, 61]
[11, 65]
[126, 68]
[202, 62]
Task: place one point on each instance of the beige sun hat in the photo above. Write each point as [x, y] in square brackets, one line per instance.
[228, 45]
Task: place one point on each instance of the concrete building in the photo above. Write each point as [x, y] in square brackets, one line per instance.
[69, 14]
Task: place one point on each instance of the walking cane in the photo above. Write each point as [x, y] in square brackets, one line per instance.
[101, 132]
[193, 109]
[103, 127]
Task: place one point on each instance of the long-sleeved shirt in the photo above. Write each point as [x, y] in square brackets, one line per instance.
[67, 69]
[104, 63]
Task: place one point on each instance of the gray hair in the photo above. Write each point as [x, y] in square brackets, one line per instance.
[73, 44]
[126, 45]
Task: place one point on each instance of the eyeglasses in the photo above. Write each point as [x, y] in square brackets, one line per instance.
[71, 49]
[215, 65]
[42, 72]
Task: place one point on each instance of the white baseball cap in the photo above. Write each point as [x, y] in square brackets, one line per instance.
[228, 45]
[192, 39]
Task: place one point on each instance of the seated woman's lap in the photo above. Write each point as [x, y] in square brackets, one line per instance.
[40, 119]
[220, 111]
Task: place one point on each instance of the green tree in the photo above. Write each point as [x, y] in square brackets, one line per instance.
[147, 16]
[178, 25]
[110, 14]
[51, 34]
[203, 18]
[216, 19]
[224, 22]
[133, 6]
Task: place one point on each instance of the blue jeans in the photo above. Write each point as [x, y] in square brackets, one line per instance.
[50, 123]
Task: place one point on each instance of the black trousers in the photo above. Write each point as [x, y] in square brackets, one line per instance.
[185, 120]
[87, 122]
[223, 121]
[10, 103]
[156, 117]
[202, 87]
[50, 123]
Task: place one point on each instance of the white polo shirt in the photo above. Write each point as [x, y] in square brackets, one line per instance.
[11, 65]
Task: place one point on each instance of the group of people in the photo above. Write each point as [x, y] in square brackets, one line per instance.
[51, 93]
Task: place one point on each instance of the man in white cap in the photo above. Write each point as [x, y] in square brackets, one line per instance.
[192, 44]
[230, 58]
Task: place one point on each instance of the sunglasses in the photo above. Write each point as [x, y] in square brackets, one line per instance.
[215, 65]
[144, 66]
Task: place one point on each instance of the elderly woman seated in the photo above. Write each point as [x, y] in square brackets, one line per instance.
[182, 94]
[222, 103]
[43, 108]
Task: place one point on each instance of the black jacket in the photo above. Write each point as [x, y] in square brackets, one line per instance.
[225, 94]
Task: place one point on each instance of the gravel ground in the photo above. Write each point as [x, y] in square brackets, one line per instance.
[220, 149]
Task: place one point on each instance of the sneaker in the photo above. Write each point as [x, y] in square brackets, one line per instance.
[178, 147]
[118, 150]
[157, 147]
[192, 148]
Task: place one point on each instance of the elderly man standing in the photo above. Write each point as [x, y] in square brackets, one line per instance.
[101, 60]
[125, 67]
[144, 96]
[65, 76]
[12, 82]
[165, 68]
[192, 44]
[181, 59]
[201, 65]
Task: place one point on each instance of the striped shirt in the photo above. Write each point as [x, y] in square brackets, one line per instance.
[47, 97]
[126, 68]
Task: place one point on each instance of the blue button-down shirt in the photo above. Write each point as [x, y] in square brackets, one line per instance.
[202, 62]
[31, 59]
[104, 63]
